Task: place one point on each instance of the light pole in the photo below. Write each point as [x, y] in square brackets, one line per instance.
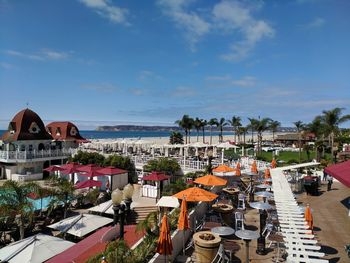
[121, 203]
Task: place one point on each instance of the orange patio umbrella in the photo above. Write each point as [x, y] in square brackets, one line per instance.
[273, 163]
[308, 217]
[254, 168]
[184, 223]
[196, 194]
[210, 180]
[164, 245]
[224, 170]
[238, 169]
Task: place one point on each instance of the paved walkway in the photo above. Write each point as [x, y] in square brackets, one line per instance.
[331, 220]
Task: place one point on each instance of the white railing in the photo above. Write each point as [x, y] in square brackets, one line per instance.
[30, 155]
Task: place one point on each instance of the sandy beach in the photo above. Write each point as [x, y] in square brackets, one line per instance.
[165, 140]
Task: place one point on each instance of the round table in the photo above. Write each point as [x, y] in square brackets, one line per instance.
[247, 236]
[223, 231]
[222, 208]
[231, 191]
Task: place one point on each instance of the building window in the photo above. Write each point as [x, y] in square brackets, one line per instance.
[73, 131]
[34, 128]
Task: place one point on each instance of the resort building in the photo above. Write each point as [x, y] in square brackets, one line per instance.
[27, 147]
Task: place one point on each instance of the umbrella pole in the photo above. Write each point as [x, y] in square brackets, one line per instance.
[183, 242]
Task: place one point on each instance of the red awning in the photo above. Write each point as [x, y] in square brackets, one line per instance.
[90, 170]
[110, 170]
[70, 168]
[340, 171]
[53, 168]
[88, 184]
[155, 176]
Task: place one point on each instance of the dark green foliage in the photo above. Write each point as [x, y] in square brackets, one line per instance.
[176, 187]
[167, 165]
[122, 162]
[176, 138]
[88, 158]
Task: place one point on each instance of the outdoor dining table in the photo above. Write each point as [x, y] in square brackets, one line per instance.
[247, 236]
[231, 191]
[223, 208]
[223, 231]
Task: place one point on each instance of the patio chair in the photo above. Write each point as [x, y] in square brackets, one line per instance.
[241, 202]
[239, 221]
[221, 256]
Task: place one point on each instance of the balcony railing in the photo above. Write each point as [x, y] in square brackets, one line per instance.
[30, 155]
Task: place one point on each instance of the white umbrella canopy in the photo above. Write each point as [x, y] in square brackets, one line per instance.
[81, 225]
[226, 145]
[168, 201]
[106, 207]
[34, 249]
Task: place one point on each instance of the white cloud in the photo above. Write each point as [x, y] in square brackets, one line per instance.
[183, 91]
[233, 16]
[218, 78]
[315, 23]
[193, 25]
[6, 65]
[42, 55]
[137, 91]
[148, 74]
[101, 87]
[247, 81]
[106, 9]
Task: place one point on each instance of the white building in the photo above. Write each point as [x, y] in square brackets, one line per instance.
[27, 147]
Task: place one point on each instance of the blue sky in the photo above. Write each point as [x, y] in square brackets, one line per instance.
[111, 62]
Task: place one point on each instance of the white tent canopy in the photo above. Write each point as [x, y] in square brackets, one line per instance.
[226, 145]
[106, 207]
[81, 225]
[168, 201]
[34, 249]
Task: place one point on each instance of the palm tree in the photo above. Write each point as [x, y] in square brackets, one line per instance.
[14, 202]
[317, 128]
[252, 127]
[63, 192]
[332, 119]
[197, 123]
[274, 125]
[300, 126]
[176, 138]
[186, 123]
[262, 125]
[211, 123]
[203, 124]
[244, 131]
[221, 124]
[235, 122]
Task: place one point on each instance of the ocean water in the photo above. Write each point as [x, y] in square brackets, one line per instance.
[132, 134]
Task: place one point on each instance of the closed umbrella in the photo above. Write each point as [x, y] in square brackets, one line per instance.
[183, 222]
[210, 180]
[164, 245]
[273, 163]
[309, 218]
[254, 168]
[238, 169]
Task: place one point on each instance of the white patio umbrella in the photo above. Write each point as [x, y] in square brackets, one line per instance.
[34, 249]
[81, 225]
[106, 207]
[168, 201]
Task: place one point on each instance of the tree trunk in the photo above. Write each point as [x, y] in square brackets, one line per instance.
[189, 136]
[299, 148]
[235, 134]
[197, 135]
[273, 138]
[252, 136]
[186, 135]
[244, 138]
[203, 135]
[332, 145]
[21, 228]
[211, 139]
